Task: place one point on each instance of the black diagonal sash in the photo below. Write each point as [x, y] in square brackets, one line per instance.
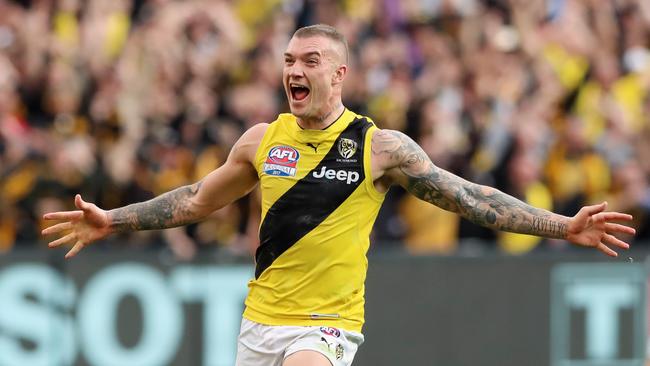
[313, 198]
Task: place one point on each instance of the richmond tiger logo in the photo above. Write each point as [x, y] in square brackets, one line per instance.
[347, 147]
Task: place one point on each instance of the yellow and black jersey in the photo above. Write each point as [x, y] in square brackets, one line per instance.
[318, 206]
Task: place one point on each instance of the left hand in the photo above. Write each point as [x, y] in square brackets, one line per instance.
[593, 227]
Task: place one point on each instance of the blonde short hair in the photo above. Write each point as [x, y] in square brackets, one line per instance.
[326, 31]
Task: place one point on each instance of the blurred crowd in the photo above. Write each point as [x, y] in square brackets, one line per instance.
[121, 100]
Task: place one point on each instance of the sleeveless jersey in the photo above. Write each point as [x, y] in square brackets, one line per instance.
[318, 207]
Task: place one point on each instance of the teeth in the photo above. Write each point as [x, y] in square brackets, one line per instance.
[297, 86]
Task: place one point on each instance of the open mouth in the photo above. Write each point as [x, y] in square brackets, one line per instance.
[298, 92]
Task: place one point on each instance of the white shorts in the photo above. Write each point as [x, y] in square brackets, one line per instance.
[269, 345]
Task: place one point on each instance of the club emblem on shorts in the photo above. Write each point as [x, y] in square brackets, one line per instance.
[330, 331]
[339, 351]
[347, 147]
[281, 161]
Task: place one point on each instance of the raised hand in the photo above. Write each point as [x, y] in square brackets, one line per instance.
[593, 227]
[81, 227]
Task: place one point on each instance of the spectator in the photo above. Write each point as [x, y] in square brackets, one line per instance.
[125, 99]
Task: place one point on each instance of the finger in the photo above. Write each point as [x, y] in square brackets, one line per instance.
[607, 250]
[612, 216]
[594, 209]
[80, 203]
[57, 228]
[618, 228]
[611, 239]
[64, 240]
[75, 249]
[63, 215]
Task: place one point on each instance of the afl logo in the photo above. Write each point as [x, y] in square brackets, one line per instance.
[330, 331]
[281, 161]
[284, 155]
[347, 147]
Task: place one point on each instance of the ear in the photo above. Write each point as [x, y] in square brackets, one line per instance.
[339, 74]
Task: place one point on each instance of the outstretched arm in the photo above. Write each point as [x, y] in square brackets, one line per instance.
[181, 206]
[403, 162]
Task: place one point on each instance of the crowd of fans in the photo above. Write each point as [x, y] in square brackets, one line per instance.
[122, 100]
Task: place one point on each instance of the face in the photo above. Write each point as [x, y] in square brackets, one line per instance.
[312, 75]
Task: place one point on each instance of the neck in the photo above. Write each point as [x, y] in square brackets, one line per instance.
[320, 123]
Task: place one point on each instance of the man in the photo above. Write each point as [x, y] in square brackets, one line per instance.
[323, 172]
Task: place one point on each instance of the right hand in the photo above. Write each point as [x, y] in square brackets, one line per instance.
[84, 226]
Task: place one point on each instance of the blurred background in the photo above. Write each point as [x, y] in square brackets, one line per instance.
[121, 100]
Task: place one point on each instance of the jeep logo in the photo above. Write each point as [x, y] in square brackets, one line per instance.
[342, 175]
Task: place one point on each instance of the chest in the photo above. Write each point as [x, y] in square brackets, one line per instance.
[311, 171]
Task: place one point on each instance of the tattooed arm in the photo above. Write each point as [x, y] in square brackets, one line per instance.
[174, 208]
[486, 206]
[181, 206]
[400, 160]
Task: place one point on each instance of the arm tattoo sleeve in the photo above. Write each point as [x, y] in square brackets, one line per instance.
[170, 209]
[482, 205]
